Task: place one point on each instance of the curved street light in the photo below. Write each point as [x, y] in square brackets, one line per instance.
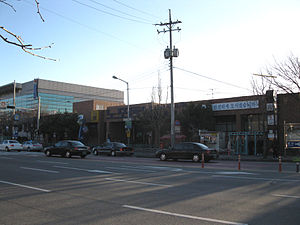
[128, 115]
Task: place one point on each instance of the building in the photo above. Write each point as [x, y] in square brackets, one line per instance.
[44, 97]
[55, 97]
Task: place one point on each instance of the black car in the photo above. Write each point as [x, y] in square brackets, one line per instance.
[188, 150]
[68, 148]
[113, 149]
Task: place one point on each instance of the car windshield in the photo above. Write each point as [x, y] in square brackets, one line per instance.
[15, 142]
[202, 146]
[76, 143]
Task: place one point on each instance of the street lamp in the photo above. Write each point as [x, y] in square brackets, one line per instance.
[128, 117]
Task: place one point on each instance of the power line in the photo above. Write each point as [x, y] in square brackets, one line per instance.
[84, 25]
[138, 10]
[236, 86]
[108, 13]
[119, 11]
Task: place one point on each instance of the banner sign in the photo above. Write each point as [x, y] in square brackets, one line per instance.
[294, 144]
[235, 105]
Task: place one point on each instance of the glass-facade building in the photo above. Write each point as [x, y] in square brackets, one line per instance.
[55, 97]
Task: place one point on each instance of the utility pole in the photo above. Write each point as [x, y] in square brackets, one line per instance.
[169, 54]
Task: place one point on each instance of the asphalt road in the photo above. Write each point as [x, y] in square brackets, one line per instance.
[101, 190]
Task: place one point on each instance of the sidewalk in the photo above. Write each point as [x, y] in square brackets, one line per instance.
[150, 153]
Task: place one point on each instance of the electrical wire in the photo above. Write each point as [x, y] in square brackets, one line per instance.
[138, 10]
[219, 81]
[108, 13]
[119, 11]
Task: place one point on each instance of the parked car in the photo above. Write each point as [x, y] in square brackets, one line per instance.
[188, 150]
[9, 145]
[113, 149]
[68, 148]
[32, 146]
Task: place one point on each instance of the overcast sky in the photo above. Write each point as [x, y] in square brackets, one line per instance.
[221, 44]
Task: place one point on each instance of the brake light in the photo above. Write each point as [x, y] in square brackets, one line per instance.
[11, 145]
[75, 148]
[121, 149]
[207, 152]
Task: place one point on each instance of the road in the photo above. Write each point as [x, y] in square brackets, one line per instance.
[35, 189]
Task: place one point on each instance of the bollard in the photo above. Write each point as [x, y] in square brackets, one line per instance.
[202, 160]
[280, 169]
[239, 159]
[297, 167]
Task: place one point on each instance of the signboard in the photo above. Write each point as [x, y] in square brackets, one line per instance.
[235, 105]
[295, 144]
[128, 124]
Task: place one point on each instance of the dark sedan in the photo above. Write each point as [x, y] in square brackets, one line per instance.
[68, 148]
[113, 149]
[188, 150]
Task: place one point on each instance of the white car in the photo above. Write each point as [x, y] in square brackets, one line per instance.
[8, 145]
[32, 146]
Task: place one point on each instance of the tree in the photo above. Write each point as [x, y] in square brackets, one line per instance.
[195, 116]
[283, 77]
[13, 39]
[61, 125]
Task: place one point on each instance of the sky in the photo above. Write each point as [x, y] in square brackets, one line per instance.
[221, 44]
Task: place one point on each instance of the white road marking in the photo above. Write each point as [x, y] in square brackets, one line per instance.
[125, 168]
[48, 171]
[164, 168]
[256, 178]
[286, 196]
[25, 186]
[51, 162]
[138, 182]
[4, 157]
[183, 215]
[234, 173]
[86, 170]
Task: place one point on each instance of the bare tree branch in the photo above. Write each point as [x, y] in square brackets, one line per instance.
[11, 6]
[38, 10]
[285, 76]
[25, 47]
[18, 40]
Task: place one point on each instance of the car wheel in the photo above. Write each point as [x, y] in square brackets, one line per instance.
[28, 149]
[7, 149]
[196, 158]
[68, 154]
[82, 156]
[163, 157]
[48, 153]
[95, 152]
[113, 153]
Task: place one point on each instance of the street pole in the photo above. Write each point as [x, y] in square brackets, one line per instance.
[128, 114]
[170, 53]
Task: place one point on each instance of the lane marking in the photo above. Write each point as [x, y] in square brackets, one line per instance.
[51, 162]
[125, 168]
[86, 170]
[182, 215]
[286, 196]
[256, 178]
[164, 168]
[138, 182]
[48, 171]
[25, 186]
[4, 157]
[234, 173]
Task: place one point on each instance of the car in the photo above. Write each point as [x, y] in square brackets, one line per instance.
[68, 148]
[9, 145]
[188, 150]
[32, 146]
[113, 149]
